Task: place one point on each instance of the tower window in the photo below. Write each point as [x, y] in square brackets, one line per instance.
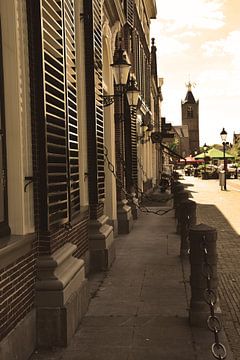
[189, 112]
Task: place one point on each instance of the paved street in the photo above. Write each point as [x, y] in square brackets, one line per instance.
[139, 309]
[221, 209]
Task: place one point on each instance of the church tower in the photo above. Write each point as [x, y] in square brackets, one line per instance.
[190, 117]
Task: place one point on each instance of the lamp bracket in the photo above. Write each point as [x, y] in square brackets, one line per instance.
[109, 99]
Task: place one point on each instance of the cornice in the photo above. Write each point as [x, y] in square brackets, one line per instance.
[151, 8]
[114, 12]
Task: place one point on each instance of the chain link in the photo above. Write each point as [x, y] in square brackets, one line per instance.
[143, 195]
[141, 167]
[213, 322]
[120, 185]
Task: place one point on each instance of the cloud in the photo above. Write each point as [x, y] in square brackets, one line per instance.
[219, 83]
[187, 34]
[228, 46]
[170, 46]
[191, 14]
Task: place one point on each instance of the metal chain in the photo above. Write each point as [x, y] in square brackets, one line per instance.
[128, 195]
[143, 195]
[139, 190]
[213, 322]
[141, 167]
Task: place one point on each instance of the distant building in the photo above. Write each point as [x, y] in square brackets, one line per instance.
[236, 139]
[190, 117]
[181, 136]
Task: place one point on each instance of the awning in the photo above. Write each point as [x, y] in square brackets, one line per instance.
[171, 152]
[214, 154]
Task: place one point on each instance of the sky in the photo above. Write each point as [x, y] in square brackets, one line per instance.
[199, 41]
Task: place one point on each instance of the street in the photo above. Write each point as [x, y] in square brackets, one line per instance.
[221, 210]
[137, 312]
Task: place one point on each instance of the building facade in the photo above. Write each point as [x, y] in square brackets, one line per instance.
[190, 118]
[73, 168]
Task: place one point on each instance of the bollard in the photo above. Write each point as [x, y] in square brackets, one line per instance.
[177, 188]
[178, 197]
[203, 275]
[186, 219]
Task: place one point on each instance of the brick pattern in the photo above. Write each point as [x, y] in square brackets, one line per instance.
[228, 272]
[77, 235]
[17, 282]
[96, 210]
[220, 210]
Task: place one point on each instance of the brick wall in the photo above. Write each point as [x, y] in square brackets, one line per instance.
[17, 284]
[78, 235]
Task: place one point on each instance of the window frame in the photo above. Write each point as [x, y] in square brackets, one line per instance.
[4, 227]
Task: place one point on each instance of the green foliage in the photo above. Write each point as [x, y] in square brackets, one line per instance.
[235, 151]
[174, 145]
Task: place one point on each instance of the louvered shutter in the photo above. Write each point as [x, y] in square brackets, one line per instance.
[134, 146]
[129, 11]
[4, 228]
[94, 88]
[130, 126]
[71, 100]
[55, 108]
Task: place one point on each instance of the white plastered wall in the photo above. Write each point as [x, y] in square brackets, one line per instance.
[17, 115]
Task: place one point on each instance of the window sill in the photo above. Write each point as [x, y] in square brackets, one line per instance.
[14, 247]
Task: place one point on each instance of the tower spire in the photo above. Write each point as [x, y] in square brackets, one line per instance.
[189, 86]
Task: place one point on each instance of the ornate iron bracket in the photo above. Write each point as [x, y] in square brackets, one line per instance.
[109, 99]
[29, 180]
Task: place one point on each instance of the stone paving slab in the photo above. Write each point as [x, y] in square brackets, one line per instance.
[139, 308]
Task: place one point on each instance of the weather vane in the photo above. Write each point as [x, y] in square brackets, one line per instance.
[190, 85]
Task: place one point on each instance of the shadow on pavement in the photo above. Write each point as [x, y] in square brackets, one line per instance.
[228, 250]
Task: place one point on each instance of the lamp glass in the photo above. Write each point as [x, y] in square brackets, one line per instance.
[205, 147]
[133, 96]
[132, 92]
[120, 73]
[223, 135]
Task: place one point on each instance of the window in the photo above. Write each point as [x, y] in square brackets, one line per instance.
[190, 112]
[55, 107]
[4, 229]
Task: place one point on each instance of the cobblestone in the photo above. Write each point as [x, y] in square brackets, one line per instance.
[221, 209]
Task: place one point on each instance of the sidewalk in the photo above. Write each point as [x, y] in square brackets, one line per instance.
[221, 210]
[139, 309]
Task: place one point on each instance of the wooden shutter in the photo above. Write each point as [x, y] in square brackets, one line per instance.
[55, 111]
[130, 126]
[134, 146]
[4, 228]
[71, 100]
[129, 11]
[94, 88]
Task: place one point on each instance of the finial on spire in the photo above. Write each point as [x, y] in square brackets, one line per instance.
[189, 85]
